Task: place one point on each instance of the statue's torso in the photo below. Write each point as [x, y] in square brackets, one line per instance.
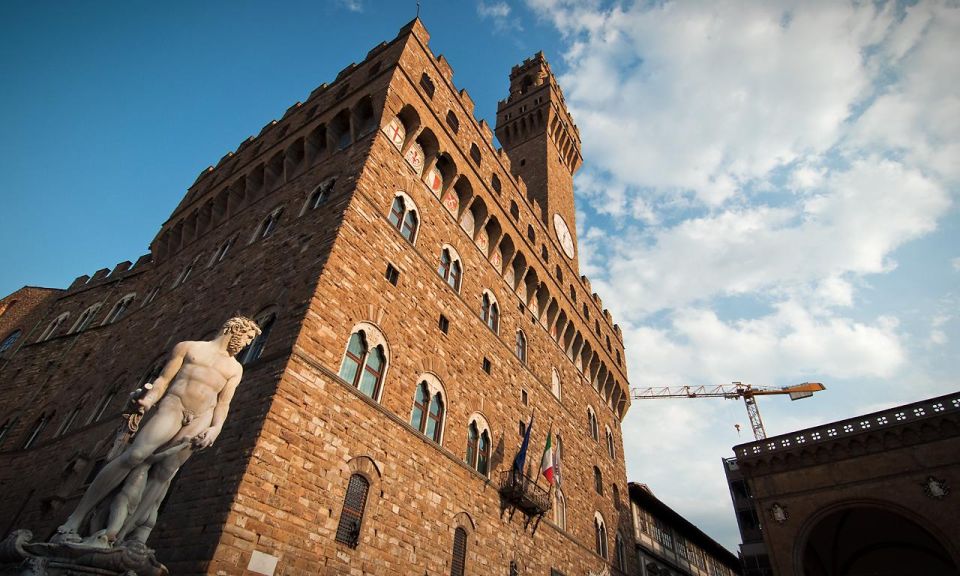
[205, 372]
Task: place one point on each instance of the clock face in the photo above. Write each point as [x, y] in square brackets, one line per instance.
[563, 235]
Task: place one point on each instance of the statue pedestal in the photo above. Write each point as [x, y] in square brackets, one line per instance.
[20, 557]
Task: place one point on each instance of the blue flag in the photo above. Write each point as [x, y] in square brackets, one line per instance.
[521, 457]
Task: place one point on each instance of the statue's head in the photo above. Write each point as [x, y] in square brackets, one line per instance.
[241, 331]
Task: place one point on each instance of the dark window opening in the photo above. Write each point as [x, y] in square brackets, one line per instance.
[348, 530]
[444, 324]
[392, 275]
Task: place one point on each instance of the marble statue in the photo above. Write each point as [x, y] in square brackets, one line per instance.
[192, 396]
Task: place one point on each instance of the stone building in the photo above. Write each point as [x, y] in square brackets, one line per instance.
[670, 545]
[874, 494]
[420, 299]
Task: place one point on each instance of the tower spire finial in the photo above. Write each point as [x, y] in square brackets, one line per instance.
[418, 9]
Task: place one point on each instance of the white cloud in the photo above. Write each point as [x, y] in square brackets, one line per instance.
[499, 14]
[351, 5]
[955, 264]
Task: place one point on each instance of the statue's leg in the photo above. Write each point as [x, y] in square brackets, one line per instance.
[159, 478]
[127, 500]
[158, 430]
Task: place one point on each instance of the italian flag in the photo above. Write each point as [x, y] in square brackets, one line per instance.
[546, 462]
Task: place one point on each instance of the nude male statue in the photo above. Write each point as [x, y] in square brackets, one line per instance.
[194, 391]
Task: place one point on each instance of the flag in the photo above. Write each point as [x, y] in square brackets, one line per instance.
[521, 457]
[546, 462]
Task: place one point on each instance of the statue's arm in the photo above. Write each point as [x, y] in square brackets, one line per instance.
[168, 373]
[207, 437]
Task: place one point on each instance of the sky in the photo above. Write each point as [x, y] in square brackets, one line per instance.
[768, 195]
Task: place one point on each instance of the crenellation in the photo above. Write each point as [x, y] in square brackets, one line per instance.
[345, 72]
[119, 269]
[376, 50]
[467, 102]
[78, 282]
[447, 71]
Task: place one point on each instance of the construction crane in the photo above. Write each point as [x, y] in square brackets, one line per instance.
[732, 391]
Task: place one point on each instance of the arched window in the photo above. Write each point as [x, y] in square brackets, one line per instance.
[351, 517]
[428, 410]
[458, 565]
[592, 424]
[85, 318]
[521, 348]
[7, 427]
[53, 327]
[555, 383]
[560, 510]
[104, 404]
[185, 274]
[221, 253]
[10, 340]
[478, 446]
[598, 480]
[268, 225]
[490, 312]
[600, 529]
[403, 217]
[450, 268]
[621, 553]
[364, 365]
[69, 420]
[119, 309]
[255, 349]
[37, 429]
[319, 195]
[610, 449]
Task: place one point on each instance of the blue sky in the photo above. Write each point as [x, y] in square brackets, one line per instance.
[769, 191]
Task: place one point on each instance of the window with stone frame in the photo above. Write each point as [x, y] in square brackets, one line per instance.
[364, 364]
[621, 553]
[104, 403]
[598, 480]
[10, 340]
[254, 350]
[351, 515]
[559, 509]
[490, 311]
[319, 195]
[53, 327]
[600, 533]
[86, 318]
[37, 429]
[592, 424]
[120, 308]
[7, 427]
[450, 268]
[478, 446]
[611, 450]
[458, 563]
[404, 217]
[428, 410]
[520, 348]
[268, 225]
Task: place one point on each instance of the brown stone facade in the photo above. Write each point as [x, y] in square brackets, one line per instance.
[16, 314]
[294, 228]
[874, 494]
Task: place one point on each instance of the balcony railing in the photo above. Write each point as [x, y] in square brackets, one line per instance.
[522, 491]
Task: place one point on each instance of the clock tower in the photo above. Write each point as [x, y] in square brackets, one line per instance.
[538, 134]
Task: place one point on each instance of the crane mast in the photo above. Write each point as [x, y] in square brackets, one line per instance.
[732, 391]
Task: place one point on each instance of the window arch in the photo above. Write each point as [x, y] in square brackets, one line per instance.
[600, 530]
[253, 351]
[70, 419]
[610, 446]
[555, 385]
[478, 444]
[351, 515]
[521, 346]
[86, 318]
[53, 327]
[120, 308]
[319, 195]
[429, 408]
[268, 225]
[10, 340]
[37, 429]
[450, 268]
[404, 216]
[458, 564]
[598, 480]
[560, 510]
[490, 311]
[101, 408]
[185, 274]
[592, 424]
[427, 84]
[365, 360]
